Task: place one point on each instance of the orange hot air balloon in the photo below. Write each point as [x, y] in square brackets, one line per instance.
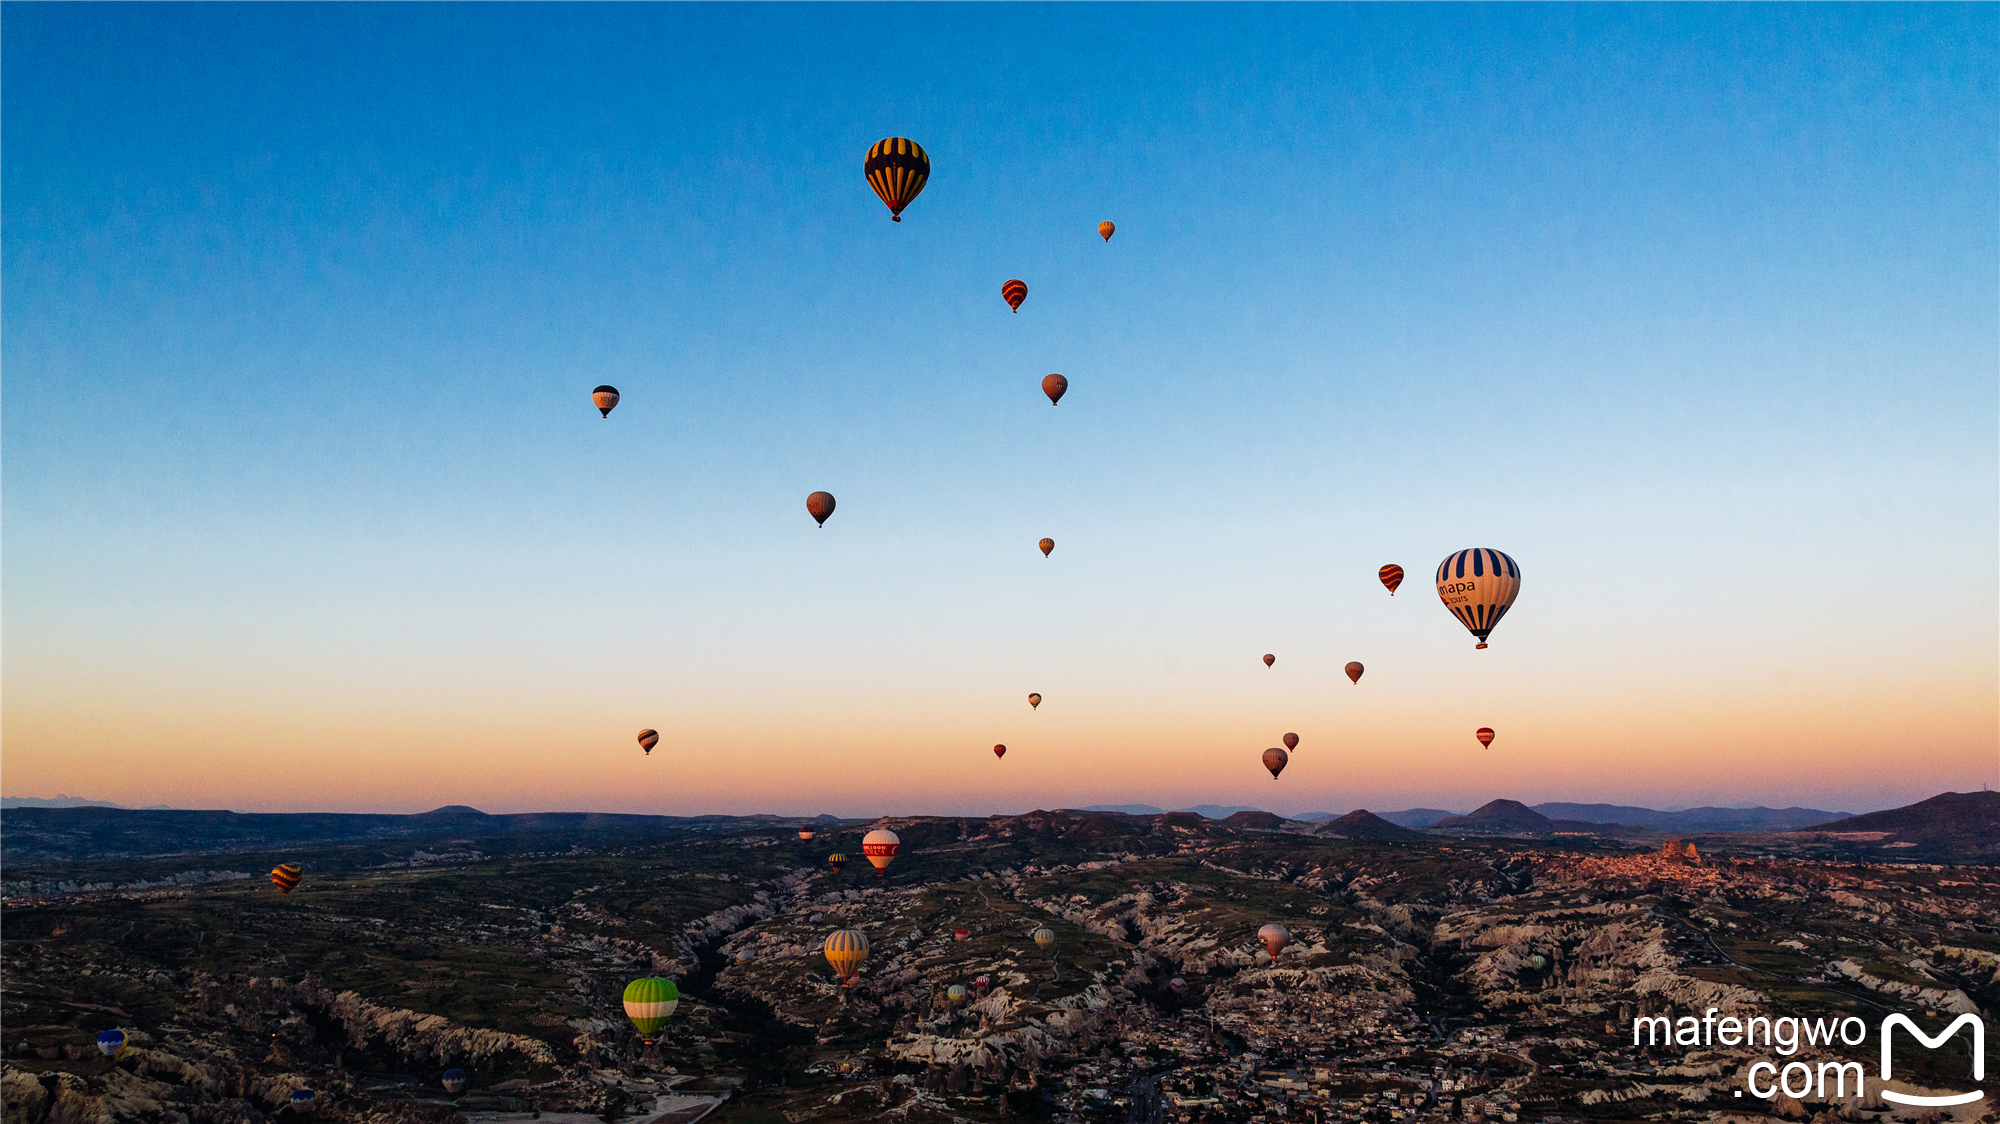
[1055, 386]
[1047, 545]
[1485, 735]
[999, 751]
[604, 398]
[820, 505]
[806, 834]
[1291, 741]
[1392, 576]
[1274, 937]
[1269, 659]
[286, 877]
[1105, 228]
[845, 950]
[1034, 701]
[1354, 670]
[880, 846]
[1014, 292]
[648, 739]
[1274, 760]
[897, 168]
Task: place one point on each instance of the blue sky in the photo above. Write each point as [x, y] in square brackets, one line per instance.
[1690, 309]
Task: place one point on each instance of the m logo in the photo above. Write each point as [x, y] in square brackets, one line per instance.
[1978, 1058]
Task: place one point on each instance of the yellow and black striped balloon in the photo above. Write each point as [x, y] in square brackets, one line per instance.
[286, 877]
[897, 169]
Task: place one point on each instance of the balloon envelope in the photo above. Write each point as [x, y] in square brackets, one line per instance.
[1034, 701]
[1354, 670]
[806, 834]
[1106, 228]
[302, 1100]
[110, 1042]
[286, 877]
[453, 1080]
[837, 861]
[1392, 576]
[1478, 586]
[999, 751]
[1274, 760]
[1291, 741]
[1047, 545]
[1045, 937]
[955, 993]
[897, 168]
[961, 934]
[1055, 386]
[604, 398]
[649, 1002]
[1177, 984]
[1484, 734]
[1274, 937]
[820, 505]
[1014, 292]
[1269, 659]
[881, 846]
[845, 949]
[648, 739]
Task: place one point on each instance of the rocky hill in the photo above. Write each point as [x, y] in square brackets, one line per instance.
[1498, 817]
[1964, 825]
[1362, 824]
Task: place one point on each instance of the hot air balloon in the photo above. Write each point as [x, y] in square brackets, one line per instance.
[897, 169]
[881, 846]
[820, 505]
[1392, 576]
[1047, 546]
[806, 834]
[1034, 701]
[1045, 937]
[845, 950]
[1014, 292]
[999, 751]
[111, 1043]
[745, 956]
[1269, 659]
[286, 877]
[1177, 985]
[1291, 741]
[837, 861]
[303, 1101]
[980, 985]
[1354, 670]
[453, 1081]
[1274, 760]
[1478, 586]
[955, 994]
[1484, 734]
[1105, 228]
[650, 1002]
[1055, 386]
[1274, 937]
[1537, 962]
[648, 739]
[604, 398]
[961, 934]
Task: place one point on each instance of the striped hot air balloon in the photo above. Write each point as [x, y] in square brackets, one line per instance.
[980, 985]
[286, 877]
[1014, 292]
[1044, 937]
[1392, 576]
[837, 861]
[1478, 586]
[806, 834]
[845, 949]
[955, 994]
[648, 739]
[650, 1002]
[897, 169]
[1047, 545]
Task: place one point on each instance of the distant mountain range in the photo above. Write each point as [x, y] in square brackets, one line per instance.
[1212, 811]
[9, 803]
[1954, 824]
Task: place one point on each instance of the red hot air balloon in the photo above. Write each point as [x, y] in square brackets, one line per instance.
[1291, 741]
[980, 985]
[1274, 760]
[897, 168]
[999, 751]
[1014, 292]
[806, 834]
[1392, 576]
[1055, 386]
[1269, 659]
[1106, 228]
[1354, 670]
[880, 847]
[1485, 735]
[961, 934]
[820, 505]
[1047, 545]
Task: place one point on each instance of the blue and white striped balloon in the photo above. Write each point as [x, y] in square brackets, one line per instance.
[1478, 586]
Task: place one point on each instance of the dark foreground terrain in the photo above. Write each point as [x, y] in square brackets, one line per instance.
[1428, 978]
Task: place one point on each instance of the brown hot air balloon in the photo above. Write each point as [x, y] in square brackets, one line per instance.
[820, 505]
[1047, 545]
[1274, 760]
[1055, 386]
[648, 739]
[1291, 741]
[605, 398]
[999, 751]
[1105, 228]
[1485, 735]
[1392, 576]
[1034, 701]
[1274, 938]
[1014, 292]
[1354, 670]
[1269, 659]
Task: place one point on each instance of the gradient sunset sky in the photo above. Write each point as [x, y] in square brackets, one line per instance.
[1690, 309]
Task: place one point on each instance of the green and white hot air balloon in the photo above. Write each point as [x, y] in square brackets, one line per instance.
[649, 1003]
